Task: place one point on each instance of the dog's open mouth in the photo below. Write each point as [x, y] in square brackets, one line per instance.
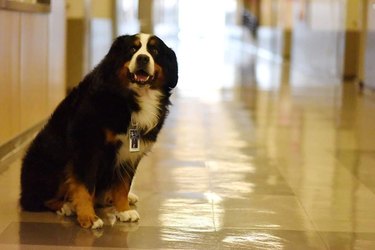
[141, 77]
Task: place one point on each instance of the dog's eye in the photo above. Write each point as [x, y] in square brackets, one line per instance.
[154, 51]
[133, 49]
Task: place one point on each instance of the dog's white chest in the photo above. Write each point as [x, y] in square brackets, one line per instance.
[144, 120]
[124, 153]
[148, 115]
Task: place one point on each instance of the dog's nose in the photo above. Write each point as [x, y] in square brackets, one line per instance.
[143, 60]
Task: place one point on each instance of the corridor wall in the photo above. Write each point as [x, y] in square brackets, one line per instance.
[32, 67]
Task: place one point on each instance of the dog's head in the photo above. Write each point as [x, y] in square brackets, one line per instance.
[144, 61]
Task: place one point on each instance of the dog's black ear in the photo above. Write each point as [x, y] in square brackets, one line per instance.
[170, 68]
[117, 54]
[120, 44]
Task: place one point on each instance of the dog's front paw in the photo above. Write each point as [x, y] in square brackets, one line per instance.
[93, 222]
[133, 198]
[97, 224]
[128, 216]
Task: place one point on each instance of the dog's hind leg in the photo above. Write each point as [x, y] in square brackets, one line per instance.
[133, 198]
[67, 209]
[61, 207]
[59, 204]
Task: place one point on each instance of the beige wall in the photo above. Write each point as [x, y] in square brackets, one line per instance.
[102, 29]
[326, 37]
[75, 8]
[276, 25]
[9, 75]
[57, 54]
[268, 12]
[318, 37]
[102, 8]
[145, 11]
[32, 66]
[369, 73]
[353, 14]
[276, 13]
[90, 32]
[77, 40]
[321, 36]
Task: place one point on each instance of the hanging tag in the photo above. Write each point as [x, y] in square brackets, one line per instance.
[134, 140]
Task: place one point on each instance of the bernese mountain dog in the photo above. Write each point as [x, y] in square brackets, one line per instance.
[89, 150]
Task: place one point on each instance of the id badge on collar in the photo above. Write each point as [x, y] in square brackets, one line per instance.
[134, 140]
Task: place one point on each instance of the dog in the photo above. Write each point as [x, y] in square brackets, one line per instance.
[88, 151]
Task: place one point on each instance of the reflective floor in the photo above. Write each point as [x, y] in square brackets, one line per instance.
[254, 155]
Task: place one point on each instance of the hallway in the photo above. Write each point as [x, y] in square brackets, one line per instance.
[254, 155]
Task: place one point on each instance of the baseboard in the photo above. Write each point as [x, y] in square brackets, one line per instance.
[12, 149]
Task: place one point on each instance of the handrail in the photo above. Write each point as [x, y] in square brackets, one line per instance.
[43, 6]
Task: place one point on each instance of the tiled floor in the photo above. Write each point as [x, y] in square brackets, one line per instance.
[254, 155]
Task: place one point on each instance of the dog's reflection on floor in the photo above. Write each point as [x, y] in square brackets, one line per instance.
[66, 232]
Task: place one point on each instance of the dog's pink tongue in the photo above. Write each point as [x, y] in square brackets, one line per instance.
[141, 77]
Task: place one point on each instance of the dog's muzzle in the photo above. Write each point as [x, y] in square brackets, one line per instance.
[143, 73]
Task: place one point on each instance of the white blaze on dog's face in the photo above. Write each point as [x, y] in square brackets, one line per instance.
[146, 63]
[142, 64]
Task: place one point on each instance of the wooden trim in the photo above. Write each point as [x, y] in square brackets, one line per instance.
[12, 149]
[30, 6]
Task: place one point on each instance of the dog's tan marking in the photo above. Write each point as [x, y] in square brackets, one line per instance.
[160, 81]
[120, 196]
[137, 42]
[82, 202]
[110, 136]
[123, 74]
[152, 41]
[56, 203]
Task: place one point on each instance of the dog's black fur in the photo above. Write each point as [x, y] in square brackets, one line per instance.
[74, 136]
